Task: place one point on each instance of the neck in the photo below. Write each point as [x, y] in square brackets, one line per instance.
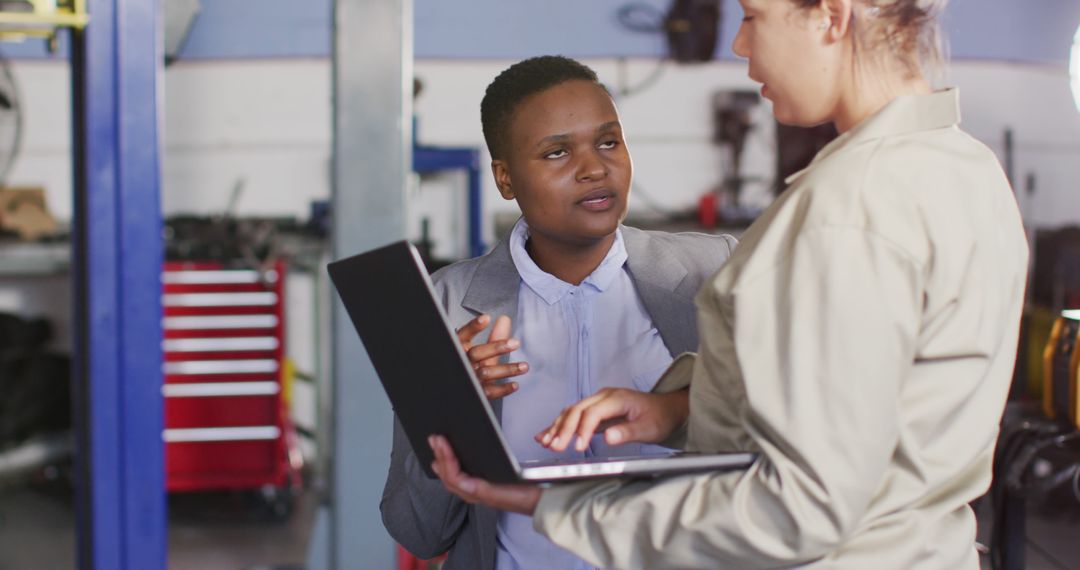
[870, 92]
[571, 262]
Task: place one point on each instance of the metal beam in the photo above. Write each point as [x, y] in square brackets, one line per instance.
[372, 90]
[117, 251]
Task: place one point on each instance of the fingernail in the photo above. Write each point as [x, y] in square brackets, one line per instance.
[513, 344]
[522, 366]
[513, 386]
[614, 436]
[581, 444]
[546, 439]
[467, 485]
[555, 441]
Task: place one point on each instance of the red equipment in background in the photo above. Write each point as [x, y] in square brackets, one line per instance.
[227, 424]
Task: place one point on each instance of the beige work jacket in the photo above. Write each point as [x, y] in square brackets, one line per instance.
[862, 339]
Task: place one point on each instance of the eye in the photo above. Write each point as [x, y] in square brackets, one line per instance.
[606, 145]
[556, 154]
[746, 18]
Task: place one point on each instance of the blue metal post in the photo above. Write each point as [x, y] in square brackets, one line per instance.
[427, 159]
[117, 260]
[476, 239]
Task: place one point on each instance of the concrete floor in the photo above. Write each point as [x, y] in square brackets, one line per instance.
[218, 531]
[230, 531]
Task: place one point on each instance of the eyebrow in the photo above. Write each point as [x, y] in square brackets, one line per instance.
[608, 126]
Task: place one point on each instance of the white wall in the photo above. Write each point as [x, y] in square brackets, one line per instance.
[266, 124]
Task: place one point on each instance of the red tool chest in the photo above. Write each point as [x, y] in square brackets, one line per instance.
[226, 422]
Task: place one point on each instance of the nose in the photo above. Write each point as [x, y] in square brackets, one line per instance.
[591, 167]
[740, 46]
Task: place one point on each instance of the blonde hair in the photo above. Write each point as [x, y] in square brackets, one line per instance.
[909, 29]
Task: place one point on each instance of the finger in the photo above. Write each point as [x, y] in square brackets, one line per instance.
[446, 465]
[444, 454]
[566, 423]
[544, 437]
[565, 434]
[497, 391]
[602, 414]
[501, 329]
[472, 328]
[489, 352]
[449, 470]
[488, 374]
[439, 464]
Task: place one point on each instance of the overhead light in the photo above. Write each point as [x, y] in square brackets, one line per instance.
[1074, 68]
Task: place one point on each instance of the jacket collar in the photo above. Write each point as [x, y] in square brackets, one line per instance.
[494, 286]
[657, 273]
[904, 115]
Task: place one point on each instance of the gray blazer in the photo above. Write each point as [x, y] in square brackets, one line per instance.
[667, 269]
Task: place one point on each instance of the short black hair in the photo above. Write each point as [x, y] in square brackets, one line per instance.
[517, 83]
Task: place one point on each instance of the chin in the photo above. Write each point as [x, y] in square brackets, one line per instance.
[797, 117]
[598, 230]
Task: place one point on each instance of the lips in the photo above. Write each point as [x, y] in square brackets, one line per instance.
[597, 200]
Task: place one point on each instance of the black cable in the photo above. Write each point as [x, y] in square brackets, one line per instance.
[649, 81]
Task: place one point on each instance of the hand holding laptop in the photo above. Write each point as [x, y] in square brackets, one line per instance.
[513, 497]
[641, 417]
[485, 357]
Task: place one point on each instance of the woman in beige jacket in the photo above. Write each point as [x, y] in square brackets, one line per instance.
[861, 338]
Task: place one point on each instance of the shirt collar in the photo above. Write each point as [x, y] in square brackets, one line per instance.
[905, 114]
[552, 289]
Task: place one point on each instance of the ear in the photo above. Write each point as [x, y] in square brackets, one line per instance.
[839, 14]
[502, 179]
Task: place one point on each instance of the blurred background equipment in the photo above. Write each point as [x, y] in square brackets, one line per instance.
[1062, 365]
[22, 19]
[733, 120]
[1037, 464]
[24, 213]
[691, 27]
[11, 120]
[227, 422]
[35, 398]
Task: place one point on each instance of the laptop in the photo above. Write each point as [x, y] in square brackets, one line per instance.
[433, 389]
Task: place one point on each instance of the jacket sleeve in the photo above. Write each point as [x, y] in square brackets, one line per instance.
[823, 341]
[418, 511]
[675, 378]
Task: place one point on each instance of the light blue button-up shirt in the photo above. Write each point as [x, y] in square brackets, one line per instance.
[577, 339]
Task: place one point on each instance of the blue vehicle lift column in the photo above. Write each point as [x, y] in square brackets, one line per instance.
[117, 254]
